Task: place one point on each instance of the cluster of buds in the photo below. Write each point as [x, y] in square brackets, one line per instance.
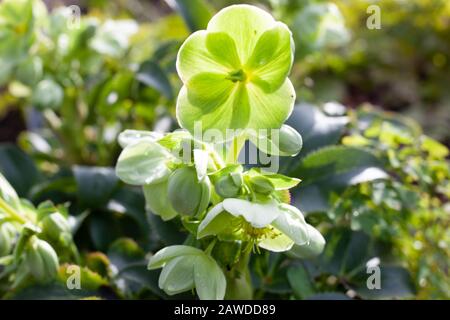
[32, 240]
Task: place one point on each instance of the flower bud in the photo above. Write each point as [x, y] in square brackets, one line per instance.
[290, 141]
[261, 184]
[227, 187]
[7, 235]
[186, 194]
[56, 226]
[41, 259]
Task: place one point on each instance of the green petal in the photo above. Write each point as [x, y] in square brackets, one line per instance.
[245, 24]
[258, 215]
[276, 241]
[292, 223]
[157, 201]
[223, 48]
[194, 58]
[208, 91]
[272, 58]
[270, 110]
[313, 248]
[234, 113]
[143, 163]
[217, 221]
[168, 253]
[210, 281]
[177, 275]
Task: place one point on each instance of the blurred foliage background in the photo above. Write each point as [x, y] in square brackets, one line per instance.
[372, 106]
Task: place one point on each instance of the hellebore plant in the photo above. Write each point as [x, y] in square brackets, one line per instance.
[235, 77]
[33, 241]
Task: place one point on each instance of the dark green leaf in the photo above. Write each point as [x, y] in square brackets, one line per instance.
[331, 169]
[300, 282]
[94, 184]
[196, 13]
[151, 74]
[18, 168]
[317, 129]
[396, 282]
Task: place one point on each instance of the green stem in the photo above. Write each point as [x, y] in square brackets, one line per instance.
[239, 285]
[11, 212]
[235, 148]
[210, 247]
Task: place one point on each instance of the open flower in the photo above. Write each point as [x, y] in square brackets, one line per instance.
[184, 268]
[235, 72]
[273, 226]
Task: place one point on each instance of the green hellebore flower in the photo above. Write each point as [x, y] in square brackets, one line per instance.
[273, 226]
[235, 72]
[184, 268]
[41, 259]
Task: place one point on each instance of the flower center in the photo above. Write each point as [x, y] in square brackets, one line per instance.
[237, 75]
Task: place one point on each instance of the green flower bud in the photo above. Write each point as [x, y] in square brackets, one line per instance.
[41, 260]
[290, 141]
[186, 194]
[56, 226]
[261, 184]
[7, 235]
[286, 142]
[227, 186]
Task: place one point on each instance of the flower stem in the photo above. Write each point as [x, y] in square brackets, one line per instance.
[11, 212]
[239, 284]
[210, 247]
